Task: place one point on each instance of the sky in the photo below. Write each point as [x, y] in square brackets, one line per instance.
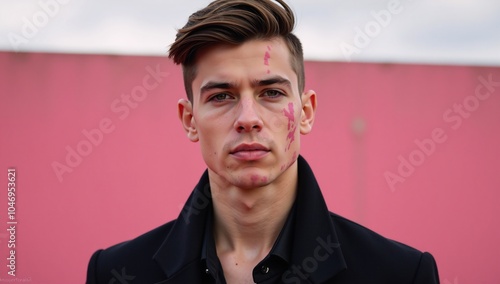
[457, 32]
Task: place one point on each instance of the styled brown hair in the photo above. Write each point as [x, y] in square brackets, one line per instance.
[233, 22]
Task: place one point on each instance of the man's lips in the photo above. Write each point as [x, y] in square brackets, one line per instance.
[250, 151]
[249, 147]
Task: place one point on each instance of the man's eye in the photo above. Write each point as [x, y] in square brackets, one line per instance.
[220, 97]
[273, 93]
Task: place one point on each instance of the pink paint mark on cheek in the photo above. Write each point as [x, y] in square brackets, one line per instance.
[291, 137]
[268, 71]
[289, 114]
[263, 179]
[291, 124]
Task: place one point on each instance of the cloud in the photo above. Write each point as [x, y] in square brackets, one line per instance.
[427, 31]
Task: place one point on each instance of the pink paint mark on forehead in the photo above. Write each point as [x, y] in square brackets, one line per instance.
[267, 56]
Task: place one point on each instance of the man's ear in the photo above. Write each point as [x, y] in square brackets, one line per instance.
[185, 112]
[308, 111]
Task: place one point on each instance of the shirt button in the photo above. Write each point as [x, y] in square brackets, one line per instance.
[264, 269]
[207, 271]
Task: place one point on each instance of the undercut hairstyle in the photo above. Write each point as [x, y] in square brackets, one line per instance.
[234, 22]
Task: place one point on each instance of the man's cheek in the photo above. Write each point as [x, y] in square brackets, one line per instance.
[278, 122]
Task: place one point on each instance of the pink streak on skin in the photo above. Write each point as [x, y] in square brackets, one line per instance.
[267, 56]
[263, 179]
[291, 136]
[291, 124]
[289, 114]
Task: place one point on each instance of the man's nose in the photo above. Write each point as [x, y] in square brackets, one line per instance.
[248, 118]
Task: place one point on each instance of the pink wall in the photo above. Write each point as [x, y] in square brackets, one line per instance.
[138, 172]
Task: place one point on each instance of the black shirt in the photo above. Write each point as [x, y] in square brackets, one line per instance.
[268, 271]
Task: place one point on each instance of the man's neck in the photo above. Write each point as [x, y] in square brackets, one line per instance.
[247, 222]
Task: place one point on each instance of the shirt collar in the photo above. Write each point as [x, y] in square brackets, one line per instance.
[281, 249]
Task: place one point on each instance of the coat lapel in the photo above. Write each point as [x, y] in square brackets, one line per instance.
[316, 248]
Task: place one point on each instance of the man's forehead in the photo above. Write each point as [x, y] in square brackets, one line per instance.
[211, 68]
[266, 44]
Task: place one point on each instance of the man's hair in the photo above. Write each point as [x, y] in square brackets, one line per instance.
[233, 22]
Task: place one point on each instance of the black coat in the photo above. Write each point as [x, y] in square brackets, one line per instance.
[327, 248]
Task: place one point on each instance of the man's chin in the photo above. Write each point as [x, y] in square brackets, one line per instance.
[252, 181]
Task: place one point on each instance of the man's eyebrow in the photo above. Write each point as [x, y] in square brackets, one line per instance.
[271, 81]
[216, 85]
[210, 85]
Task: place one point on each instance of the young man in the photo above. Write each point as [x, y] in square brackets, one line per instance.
[263, 218]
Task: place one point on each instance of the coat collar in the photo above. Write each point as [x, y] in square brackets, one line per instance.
[316, 248]
[315, 244]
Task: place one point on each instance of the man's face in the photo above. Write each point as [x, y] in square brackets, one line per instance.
[247, 112]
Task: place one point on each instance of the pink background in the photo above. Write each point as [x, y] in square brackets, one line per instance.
[140, 174]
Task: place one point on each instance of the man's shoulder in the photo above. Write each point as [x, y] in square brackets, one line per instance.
[367, 250]
[363, 234]
[131, 257]
[350, 232]
[150, 240]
